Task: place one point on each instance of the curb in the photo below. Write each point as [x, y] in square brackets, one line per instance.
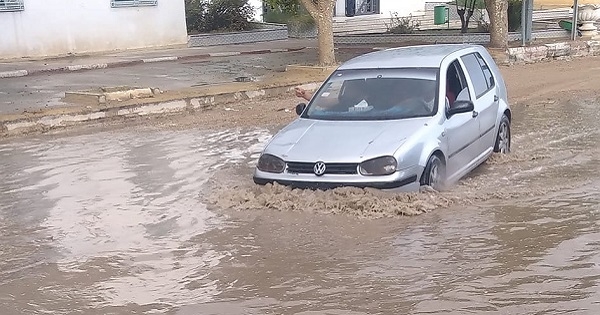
[127, 63]
[46, 122]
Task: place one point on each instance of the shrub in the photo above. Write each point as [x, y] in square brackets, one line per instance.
[402, 24]
[291, 7]
[289, 12]
[218, 15]
[514, 14]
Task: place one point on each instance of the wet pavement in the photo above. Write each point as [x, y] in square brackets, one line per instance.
[156, 221]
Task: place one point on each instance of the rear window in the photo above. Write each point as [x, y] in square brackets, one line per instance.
[376, 94]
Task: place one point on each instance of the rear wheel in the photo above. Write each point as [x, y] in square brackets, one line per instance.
[503, 137]
[434, 174]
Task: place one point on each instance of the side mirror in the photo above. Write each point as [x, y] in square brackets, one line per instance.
[461, 106]
[300, 108]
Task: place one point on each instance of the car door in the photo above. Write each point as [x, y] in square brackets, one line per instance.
[485, 98]
[461, 130]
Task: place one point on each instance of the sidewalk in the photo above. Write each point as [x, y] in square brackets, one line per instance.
[19, 67]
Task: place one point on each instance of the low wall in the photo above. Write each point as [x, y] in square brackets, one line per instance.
[432, 37]
[263, 32]
[554, 51]
[301, 32]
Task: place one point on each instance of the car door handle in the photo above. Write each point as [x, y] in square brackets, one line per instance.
[495, 98]
[475, 114]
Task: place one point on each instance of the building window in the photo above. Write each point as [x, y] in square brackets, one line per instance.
[11, 5]
[132, 3]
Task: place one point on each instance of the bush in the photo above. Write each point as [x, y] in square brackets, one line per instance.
[290, 7]
[207, 16]
[303, 22]
[402, 24]
[278, 17]
[514, 14]
[288, 12]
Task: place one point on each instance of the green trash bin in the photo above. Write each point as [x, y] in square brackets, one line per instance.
[439, 15]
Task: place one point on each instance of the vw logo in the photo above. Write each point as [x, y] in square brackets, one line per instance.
[319, 168]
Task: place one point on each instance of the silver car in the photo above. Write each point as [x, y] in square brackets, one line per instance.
[395, 119]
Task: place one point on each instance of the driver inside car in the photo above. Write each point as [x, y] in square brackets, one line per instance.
[351, 96]
[413, 99]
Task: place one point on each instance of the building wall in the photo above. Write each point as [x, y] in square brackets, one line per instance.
[387, 7]
[403, 8]
[58, 27]
[340, 8]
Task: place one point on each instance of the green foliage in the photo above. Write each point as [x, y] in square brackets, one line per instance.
[302, 21]
[514, 14]
[402, 24]
[290, 7]
[289, 12]
[218, 15]
[194, 14]
[479, 4]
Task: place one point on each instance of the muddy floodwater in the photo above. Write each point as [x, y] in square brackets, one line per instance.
[160, 221]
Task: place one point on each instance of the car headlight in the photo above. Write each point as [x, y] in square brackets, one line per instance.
[270, 163]
[385, 165]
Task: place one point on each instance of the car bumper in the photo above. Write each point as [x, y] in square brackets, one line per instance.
[406, 180]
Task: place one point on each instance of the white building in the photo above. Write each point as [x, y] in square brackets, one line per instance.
[383, 7]
[365, 7]
[40, 28]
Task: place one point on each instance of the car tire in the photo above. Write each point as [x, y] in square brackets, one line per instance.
[503, 137]
[434, 173]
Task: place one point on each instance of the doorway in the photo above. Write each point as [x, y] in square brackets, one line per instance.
[362, 7]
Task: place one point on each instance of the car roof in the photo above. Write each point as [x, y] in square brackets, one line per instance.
[422, 56]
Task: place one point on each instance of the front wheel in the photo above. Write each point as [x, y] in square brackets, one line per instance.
[434, 173]
[503, 137]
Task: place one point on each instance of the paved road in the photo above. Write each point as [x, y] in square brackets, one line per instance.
[153, 220]
[150, 53]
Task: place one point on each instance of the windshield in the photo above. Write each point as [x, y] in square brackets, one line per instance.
[376, 94]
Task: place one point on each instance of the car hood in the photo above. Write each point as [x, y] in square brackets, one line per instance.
[307, 140]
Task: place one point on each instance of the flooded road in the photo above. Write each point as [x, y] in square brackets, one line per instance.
[158, 221]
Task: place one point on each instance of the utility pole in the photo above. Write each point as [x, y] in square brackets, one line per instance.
[574, 25]
[526, 21]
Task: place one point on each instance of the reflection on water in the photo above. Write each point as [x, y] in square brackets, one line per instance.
[116, 213]
[116, 224]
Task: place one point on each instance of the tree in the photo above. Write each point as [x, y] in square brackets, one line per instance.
[322, 12]
[498, 12]
[465, 12]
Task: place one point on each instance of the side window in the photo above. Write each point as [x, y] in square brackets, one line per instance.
[132, 3]
[456, 84]
[480, 83]
[486, 71]
[11, 5]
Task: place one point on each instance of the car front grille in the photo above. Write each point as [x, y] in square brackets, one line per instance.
[331, 168]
